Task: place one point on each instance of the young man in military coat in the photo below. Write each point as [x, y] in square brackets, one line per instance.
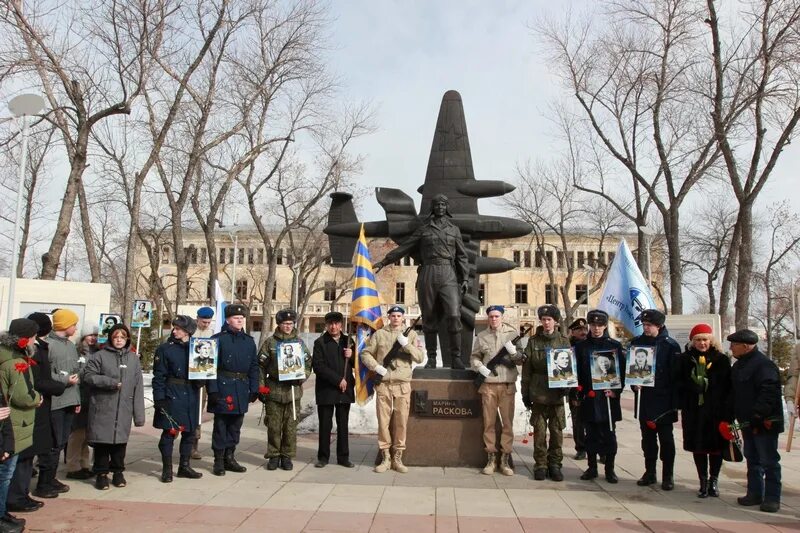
[234, 389]
[578, 331]
[334, 389]
[280, 416]
[393, 393]
[546, 404]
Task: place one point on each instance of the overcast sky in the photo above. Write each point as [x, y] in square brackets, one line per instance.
[403, 55]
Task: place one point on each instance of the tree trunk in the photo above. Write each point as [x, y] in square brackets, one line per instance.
[712, 297]
[672, 234]
[745, 264]
[88, 238]
[729, 277]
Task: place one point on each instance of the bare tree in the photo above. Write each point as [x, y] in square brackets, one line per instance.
[89, 61]
[546, 199]
[754, 92]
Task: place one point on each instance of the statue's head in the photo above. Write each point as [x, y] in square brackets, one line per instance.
[439, 206]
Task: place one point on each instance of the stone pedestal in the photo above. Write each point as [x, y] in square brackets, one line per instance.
[445, 423]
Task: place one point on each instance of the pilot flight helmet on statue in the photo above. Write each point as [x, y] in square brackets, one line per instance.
[441, 198]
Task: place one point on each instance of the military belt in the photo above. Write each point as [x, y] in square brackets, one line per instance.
[438, 261]
[178, 381]
[234, 375]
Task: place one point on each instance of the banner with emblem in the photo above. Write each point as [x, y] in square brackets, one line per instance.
[626, 293]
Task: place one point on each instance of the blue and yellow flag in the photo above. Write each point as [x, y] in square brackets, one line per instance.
[365, 312]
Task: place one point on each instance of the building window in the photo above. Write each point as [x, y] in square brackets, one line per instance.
[610, 257]
[231, 253]
[275, 291]
[222, 256]
[203, 256]
[482, 293]
[517, 257]
[590, 259]
[241, 256]
[526, 259]
[581, 259]
[561, 259]
[520, 293]
[581, 293]
[539, 260]
[484, 252]
[548, 256]
[257, 325]
[330, 291]
[241, 289]
[260, 256]
[550, 294]
[279, 256]
[165, 255]
[407, 261]
[209, 289]
[250, 257]
[400, 293]
[191, 254]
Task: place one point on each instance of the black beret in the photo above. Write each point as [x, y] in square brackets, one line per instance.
[285, 315]
[499, 308]
[43, 321]
[396, 309]
[597, 317]
[653, 316]
[186, 323]
[579, 323]
[235, 310]
[549, 310]
[23, 328]
[334, 316]
[743, 336]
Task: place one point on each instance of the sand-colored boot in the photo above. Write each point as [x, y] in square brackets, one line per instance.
[397, 462]
[385, 464]
[505, 467]
[491, 460]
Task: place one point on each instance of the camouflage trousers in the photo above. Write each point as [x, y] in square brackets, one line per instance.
[281, 428]
[548, 418]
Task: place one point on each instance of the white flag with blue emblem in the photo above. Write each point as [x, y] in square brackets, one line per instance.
[219, 314]
[626, 293]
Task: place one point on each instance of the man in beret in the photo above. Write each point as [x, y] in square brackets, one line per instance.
[205, 316]
[756, 402]
[332, 362]
[546, 404]
[279, 418]
[499, 390]
[234, 389]
[659, 403]
[393, 393]
[578, 331]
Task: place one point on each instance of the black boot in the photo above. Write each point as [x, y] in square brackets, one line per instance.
[219, 463]
[273, 463]
[455, 349]
[166, 469]
[703, 491]
[649, 476]
[713, 487]
[611, 476]
[431, 341]
[591, 472]
[185, 469]
[667, 482]
[230, 462]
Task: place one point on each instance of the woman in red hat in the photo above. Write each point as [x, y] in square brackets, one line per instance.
[705, 376]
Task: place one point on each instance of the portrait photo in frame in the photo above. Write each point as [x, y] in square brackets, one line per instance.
[561, 368]
[641, 366]
[605, 370]
[291, 361]
[203, 354]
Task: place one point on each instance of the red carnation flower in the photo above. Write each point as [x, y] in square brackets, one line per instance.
[23, 343]
[768, 423]
[580, 388]
[229, 399]
[530, 433]
[651, 424]
[524, 441]
[173, 431]
[263, 389]
[590, 394]
[31, 361]
[725, 430]
[230, 407]
[181, 428]
[21, 367]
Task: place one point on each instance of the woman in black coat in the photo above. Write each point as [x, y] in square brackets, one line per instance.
[704, 405]
[176, 399]
[335, 389]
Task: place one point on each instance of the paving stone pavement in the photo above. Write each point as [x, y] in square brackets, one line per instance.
[424, 500]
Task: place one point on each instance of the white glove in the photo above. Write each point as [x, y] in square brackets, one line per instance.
[402, 339]
[790, 407]
[381, 370]
[510, 348]
[484, 371]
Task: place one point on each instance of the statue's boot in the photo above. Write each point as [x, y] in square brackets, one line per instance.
[454, 338]
[431, 341]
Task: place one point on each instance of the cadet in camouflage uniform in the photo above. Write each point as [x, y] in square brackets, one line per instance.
[546, 404]
[281, 426]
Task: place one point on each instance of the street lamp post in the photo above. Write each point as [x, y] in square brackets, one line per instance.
[21, 106]
[794, 309]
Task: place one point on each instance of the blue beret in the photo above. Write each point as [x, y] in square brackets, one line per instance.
[205, 312]
[396, 309]
[499, 308]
